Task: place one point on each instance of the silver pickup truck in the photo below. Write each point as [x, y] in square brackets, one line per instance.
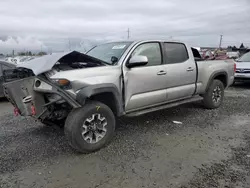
[86, 92]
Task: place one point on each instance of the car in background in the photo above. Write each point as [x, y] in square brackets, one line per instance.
[233, 55]
[4, 66]
[242, 73]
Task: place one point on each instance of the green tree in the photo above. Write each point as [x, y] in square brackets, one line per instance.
[242, 45]
[42, 53]
[21, 53]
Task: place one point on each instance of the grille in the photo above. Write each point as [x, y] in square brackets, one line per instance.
[245, 71]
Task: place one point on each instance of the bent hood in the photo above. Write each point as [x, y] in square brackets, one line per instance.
[45, 63]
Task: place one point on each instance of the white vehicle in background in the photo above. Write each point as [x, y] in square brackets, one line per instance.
[11, 60]
[19, 59]
[242, 73]
[233, 55]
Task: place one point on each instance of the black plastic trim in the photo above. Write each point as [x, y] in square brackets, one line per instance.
[92, 90]
[215, 75]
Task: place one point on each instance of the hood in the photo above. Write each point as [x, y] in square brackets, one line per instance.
[242, 65]
[80, 78]
[45, 63]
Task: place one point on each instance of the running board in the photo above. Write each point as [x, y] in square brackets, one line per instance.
[165, 106]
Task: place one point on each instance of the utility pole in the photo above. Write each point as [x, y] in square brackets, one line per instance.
[128, 33]
[220, 41]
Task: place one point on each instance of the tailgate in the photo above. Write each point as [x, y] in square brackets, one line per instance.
[21, 94]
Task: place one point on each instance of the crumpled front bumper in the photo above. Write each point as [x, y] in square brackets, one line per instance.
[21, 94]
[27, 96]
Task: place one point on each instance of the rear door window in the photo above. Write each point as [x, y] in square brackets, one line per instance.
[175, 53]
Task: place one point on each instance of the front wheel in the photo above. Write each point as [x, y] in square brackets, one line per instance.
[214, 96]
[91, 127]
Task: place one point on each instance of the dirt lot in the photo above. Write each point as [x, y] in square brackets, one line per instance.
[211, 148]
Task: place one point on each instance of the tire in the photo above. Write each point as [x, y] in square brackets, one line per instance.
[210, 99]
[83, 124]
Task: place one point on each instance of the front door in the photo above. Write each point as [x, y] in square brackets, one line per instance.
[181, 71]
[145, 86]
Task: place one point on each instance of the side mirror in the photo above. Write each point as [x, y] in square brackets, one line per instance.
[136, 61]
[114, 59]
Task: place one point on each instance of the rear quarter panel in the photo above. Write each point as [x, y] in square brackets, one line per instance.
[208, 69]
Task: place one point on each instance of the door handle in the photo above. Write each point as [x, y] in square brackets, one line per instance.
[189, 69]
[162, 72]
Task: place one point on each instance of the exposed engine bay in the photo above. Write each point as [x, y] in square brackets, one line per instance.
[32, 92]
[70, 61]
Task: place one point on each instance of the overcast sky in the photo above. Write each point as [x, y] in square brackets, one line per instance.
[60, 24]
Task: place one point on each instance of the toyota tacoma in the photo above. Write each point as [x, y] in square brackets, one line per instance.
[86, 92]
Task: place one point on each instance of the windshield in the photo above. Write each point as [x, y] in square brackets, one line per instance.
[110, 52]
[245, 58]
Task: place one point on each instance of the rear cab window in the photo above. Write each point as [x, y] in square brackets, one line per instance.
[175, 52]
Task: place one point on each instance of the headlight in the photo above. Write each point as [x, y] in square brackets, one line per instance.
[62, 83]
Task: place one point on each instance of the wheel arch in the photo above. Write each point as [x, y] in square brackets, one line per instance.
[222, 76]
[105, 93]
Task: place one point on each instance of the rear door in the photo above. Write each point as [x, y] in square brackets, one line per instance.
[181, 71]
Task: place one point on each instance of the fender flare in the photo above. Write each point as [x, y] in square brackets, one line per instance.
[211, 78]
[92, 90]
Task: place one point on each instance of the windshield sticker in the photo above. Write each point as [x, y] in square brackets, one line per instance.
[117, 47]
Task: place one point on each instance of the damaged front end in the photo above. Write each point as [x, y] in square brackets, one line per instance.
[37, 97]
[32, 92]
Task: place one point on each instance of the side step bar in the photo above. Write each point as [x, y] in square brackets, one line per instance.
[165, 106]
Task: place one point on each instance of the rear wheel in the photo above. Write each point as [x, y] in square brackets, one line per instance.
[91, 127]
[214, 95]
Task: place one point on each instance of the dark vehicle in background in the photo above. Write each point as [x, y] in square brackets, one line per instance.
[4, 66]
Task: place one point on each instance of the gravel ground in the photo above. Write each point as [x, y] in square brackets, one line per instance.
[211, 148]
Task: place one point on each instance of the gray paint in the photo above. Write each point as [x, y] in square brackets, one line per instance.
[141, 87]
